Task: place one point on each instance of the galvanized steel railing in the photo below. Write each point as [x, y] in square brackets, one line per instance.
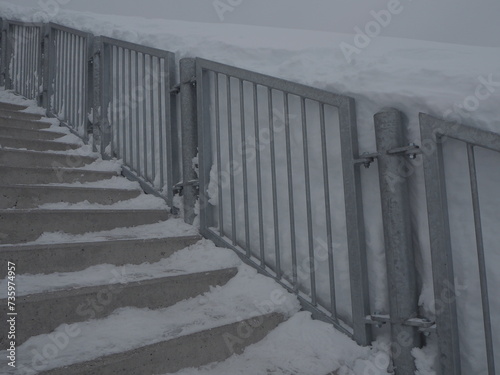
[21, 57]
[435, 132]
[277, 168]
[137, 119]
[68, 53]
[262, 143]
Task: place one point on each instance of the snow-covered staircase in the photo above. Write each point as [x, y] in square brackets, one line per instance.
[107, 287]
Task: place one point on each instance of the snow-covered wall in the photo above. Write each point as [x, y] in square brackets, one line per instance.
[448, 81]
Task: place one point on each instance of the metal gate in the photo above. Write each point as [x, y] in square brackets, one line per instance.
[435, 133]
[258, 158]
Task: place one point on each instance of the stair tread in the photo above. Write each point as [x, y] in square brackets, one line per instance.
[52, 129]
[172, 227]
[84, 169]
[200, 257]
[62, 187]
[224, 305]
[45, 141]
[51, 246]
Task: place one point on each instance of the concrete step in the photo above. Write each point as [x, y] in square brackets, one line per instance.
[11, 107]
[22, 159]
[26, 196]
[44, 135]
[29, 175]
[37, 313]
[20, 115]
[18, 226]
[169, 356]
[36, 145]
[23, 124]
[72, 257]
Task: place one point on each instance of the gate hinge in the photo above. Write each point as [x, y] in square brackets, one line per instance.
[366, 159]
[180, 186]
[412, 150]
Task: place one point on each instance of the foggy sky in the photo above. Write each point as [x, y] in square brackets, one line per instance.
[452, 21]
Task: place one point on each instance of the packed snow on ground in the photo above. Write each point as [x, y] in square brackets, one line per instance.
[448, 81]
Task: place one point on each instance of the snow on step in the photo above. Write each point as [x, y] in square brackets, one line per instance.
[11, 122]
[77, 256]
[245, 296]
[171, 227]
[300, 346]
[53, 197]
[36, 144]
[36, 313]
[29, 175]
[200, 257]
[25, 158]
[37, 221]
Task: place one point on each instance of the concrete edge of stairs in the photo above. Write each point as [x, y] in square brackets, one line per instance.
[37, 315]
[33, 175]
[193, 350]
[17, 226]
[36, 144]
[25, 123]
[26, 158]
[32, 196]
[71, 257]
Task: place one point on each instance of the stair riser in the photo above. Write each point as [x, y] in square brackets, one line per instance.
[23, 124]
[15, 176]
[19, 227]
[36, 145]
[11, 107]
[193, 350]
[45, 259]
[26, 197]
[29, 134]
[20, 115]
[20, 159]
[37, 315]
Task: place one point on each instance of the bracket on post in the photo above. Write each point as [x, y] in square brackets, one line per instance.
[412, 150]
[423, 324]
[179, 187]
[366, 159]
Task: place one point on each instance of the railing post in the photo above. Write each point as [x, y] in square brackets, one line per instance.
[403, 294]
[6, 46]
[47, 63]
[88, 105]
[189, 130]
[2, 49]
[100, 94]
